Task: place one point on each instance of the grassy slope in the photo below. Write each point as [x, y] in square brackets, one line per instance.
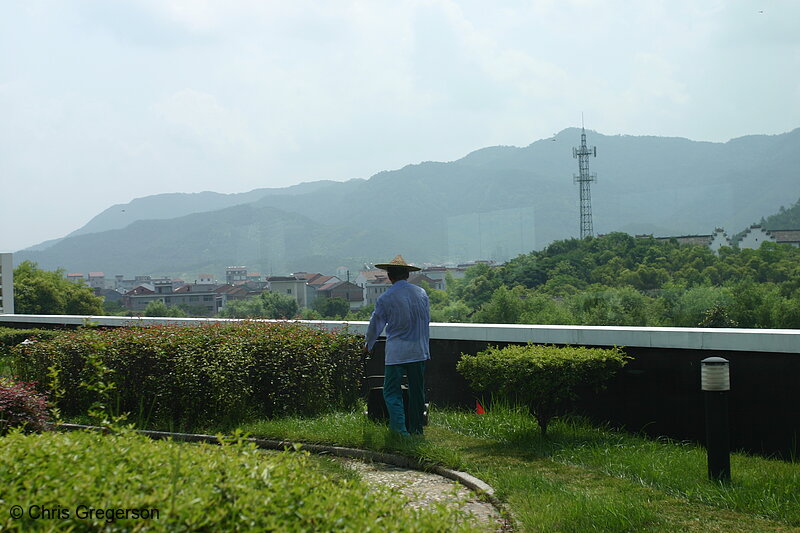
[582, 479]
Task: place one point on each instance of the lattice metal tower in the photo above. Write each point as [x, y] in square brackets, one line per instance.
[584, 179]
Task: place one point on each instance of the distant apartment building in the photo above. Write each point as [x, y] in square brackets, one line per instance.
[236, 275]
[76, 277]
[373, 283]
[200, 299]
[439, 274]
[195, 296]
[125, 285]
[7, 284]
[96, 280]
[302, 286]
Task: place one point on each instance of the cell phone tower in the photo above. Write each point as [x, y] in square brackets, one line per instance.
[584, 179]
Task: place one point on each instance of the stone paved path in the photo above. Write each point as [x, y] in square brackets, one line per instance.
[423, 489]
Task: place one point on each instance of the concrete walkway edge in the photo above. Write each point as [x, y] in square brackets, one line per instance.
[471, 482]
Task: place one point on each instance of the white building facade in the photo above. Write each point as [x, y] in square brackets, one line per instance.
[6, 284]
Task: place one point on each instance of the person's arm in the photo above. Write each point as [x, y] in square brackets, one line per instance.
[376, 324]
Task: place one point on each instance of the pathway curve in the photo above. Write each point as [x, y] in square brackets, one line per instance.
[423, 489]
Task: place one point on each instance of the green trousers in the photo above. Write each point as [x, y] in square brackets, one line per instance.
[393, 396]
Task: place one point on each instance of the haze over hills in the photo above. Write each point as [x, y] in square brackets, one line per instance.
[494, 203]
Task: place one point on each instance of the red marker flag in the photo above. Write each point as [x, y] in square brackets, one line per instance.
[479, 408]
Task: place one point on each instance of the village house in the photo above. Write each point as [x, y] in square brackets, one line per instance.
[345, 290]
[755, 236]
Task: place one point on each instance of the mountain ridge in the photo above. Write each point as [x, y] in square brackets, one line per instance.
[495, 201]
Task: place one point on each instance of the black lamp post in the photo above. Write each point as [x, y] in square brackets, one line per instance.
[716, 382]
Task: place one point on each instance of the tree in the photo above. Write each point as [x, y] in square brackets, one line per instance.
[42, 292]
[331, 307]
[266, 305]
[278, 305]
[159, 308]
[504, 307]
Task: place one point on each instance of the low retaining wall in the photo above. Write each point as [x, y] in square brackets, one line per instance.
[658, 392]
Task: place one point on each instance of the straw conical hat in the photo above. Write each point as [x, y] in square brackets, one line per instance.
[397, 262]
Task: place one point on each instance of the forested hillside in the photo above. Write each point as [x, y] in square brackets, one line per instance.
[784, 219]
[620, 280]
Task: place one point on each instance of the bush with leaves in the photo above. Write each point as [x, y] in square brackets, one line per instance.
[10, 337]
[171, 486]
[200, 373]
[21, 406]
[543, 378]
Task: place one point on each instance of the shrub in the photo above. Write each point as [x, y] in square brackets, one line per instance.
[21, 407]
[10, 337]
[188, 487]
[200, 373]
[544, 378]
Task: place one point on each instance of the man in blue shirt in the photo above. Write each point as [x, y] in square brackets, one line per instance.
[405, 313]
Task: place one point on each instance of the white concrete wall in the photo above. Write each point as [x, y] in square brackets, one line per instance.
[754, 238]
[6, 283]
[727, 339]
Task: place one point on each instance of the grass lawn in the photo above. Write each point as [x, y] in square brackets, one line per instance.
[581, 478]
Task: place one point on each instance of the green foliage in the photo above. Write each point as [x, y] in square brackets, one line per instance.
[21, 406]
[266, 305]
[159, 308]
[543, 378]
[616, 306]
[477, 285]
[40, 292]
[332, 307]
[10, 337]
[620, 280]
[204, 487]
[192, 374]
[504, 307]
[453, 312]
[784, 219]
[361, 314]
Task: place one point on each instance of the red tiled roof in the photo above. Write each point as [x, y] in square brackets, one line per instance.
[331, 285]
[322, 280]
[196, 287]
[375, 276]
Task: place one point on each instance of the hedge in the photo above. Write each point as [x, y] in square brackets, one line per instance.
[124, 482]
[544, 378]
[10, 337]
[199, 373]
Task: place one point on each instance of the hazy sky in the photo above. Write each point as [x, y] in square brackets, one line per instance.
[104, 101]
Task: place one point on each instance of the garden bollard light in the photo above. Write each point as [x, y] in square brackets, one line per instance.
[715, 382]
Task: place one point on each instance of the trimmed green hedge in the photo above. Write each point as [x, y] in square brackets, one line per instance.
[200, 373]
[169, 486]
[10, 337]
[544, 378]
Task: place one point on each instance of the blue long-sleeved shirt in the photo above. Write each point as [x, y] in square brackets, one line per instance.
[405, 313]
